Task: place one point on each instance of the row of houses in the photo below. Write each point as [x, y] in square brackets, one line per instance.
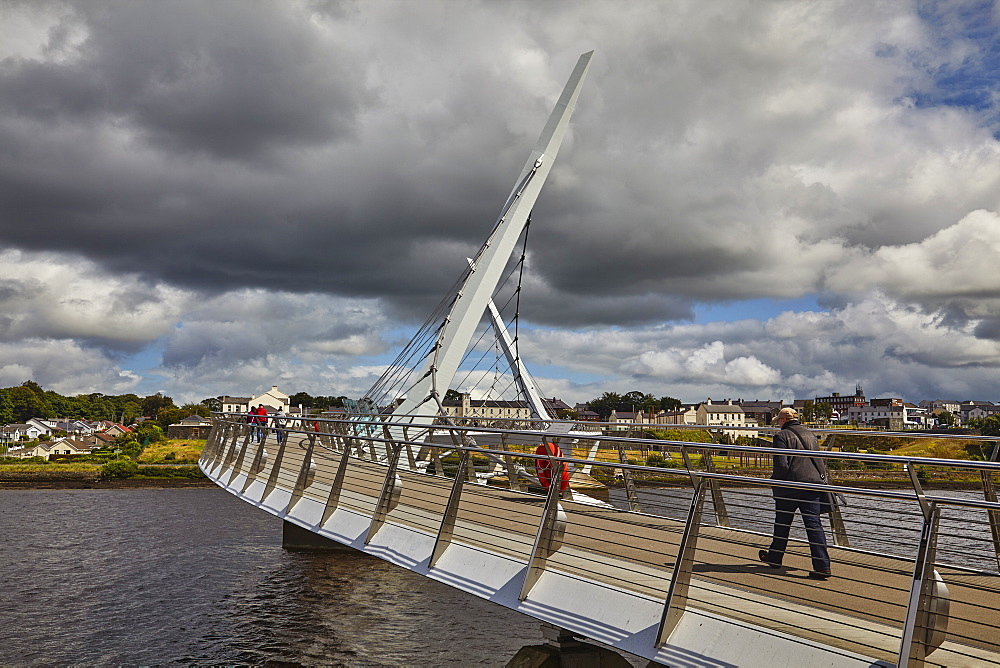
[37, 428]
[892, 413]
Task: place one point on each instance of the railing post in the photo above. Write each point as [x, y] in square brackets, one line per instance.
[680, 581]
[272, 479]
[212, 440]
[508, 460]
[213, 457]
[410, 458]
[304, 478]
[630, 490]
[721, 514]
[989, 492]
[927, 608]
[240, 459]
[447, 529]
[391, 489]
[838, 528]
[229, 430]
[231, 453]
[338, 483]
[551, 527]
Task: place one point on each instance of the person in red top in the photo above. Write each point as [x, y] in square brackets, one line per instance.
[260, 421]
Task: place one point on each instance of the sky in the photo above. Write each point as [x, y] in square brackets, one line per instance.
[756, 200]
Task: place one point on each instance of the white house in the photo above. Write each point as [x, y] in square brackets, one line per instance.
[685, 415]
[13, 433]
[60, 446]
[725, 414]
[274, 400]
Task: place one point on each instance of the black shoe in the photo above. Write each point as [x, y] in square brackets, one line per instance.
[763, 556]
[821, 574]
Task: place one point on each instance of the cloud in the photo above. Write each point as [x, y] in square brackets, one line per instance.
[887, 346]
[63, 366]
[278, 193]
[48, 296]
[944, 269]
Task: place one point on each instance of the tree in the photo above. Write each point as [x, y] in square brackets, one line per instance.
[946, 419]
[24, 403]
[605, 404]
[633, 401]
[808, 411]
[130, 411]
[303, 398]
[148, 430]
[152, 404]
[822, 411]
[195, 409]
[991, 426]
[670, 404]
[169, 415]
[452, 394]
[212, 404]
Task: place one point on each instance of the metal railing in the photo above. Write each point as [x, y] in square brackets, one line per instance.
[917, 567]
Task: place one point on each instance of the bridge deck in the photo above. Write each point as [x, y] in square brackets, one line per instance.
[859, 610]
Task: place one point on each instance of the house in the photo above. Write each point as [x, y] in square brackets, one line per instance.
[557, 407]
[978, 409]
[61, 446]
[937, 405]
[78, 427]
[274, 400]
[117, 430]
[620, 419]
[102, 440]
[839, 403]
[726, 414]
[467, 407]
[45, 426]
[683, 415]
[193, 426]
[761, 412]
[15, 433]
[236, 404]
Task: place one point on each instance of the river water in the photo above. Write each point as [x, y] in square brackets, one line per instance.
[195, 576]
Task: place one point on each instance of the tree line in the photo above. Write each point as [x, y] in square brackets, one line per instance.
[28, 400]
[632, 402]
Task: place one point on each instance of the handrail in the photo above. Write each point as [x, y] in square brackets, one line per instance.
[236, 459]
[752, 449]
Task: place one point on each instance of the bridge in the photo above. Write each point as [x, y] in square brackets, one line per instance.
[653, 555]
[659, 561]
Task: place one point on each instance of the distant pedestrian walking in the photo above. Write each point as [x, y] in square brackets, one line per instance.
[787, 500]
[279, 422]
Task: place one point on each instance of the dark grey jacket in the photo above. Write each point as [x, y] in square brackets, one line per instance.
[797, 469]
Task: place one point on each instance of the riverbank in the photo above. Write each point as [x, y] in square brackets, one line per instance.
[91, 480]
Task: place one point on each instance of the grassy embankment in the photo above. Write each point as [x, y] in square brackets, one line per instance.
[170, 459]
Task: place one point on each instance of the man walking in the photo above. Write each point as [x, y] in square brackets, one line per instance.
[794, 436]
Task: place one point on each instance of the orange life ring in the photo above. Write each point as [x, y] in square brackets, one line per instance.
[542, 466]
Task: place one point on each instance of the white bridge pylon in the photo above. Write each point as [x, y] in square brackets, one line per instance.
[473, 299]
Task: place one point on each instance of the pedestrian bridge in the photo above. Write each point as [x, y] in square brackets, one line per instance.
[653, 549]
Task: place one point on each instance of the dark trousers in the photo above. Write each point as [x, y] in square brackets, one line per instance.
[807, 502]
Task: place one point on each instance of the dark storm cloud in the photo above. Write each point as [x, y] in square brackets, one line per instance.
[337, 154]
[228, 79]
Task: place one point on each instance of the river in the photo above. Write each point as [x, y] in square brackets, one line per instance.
[195, 576]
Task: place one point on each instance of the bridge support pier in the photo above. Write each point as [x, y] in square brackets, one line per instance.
[294, 537]
[563, 650]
